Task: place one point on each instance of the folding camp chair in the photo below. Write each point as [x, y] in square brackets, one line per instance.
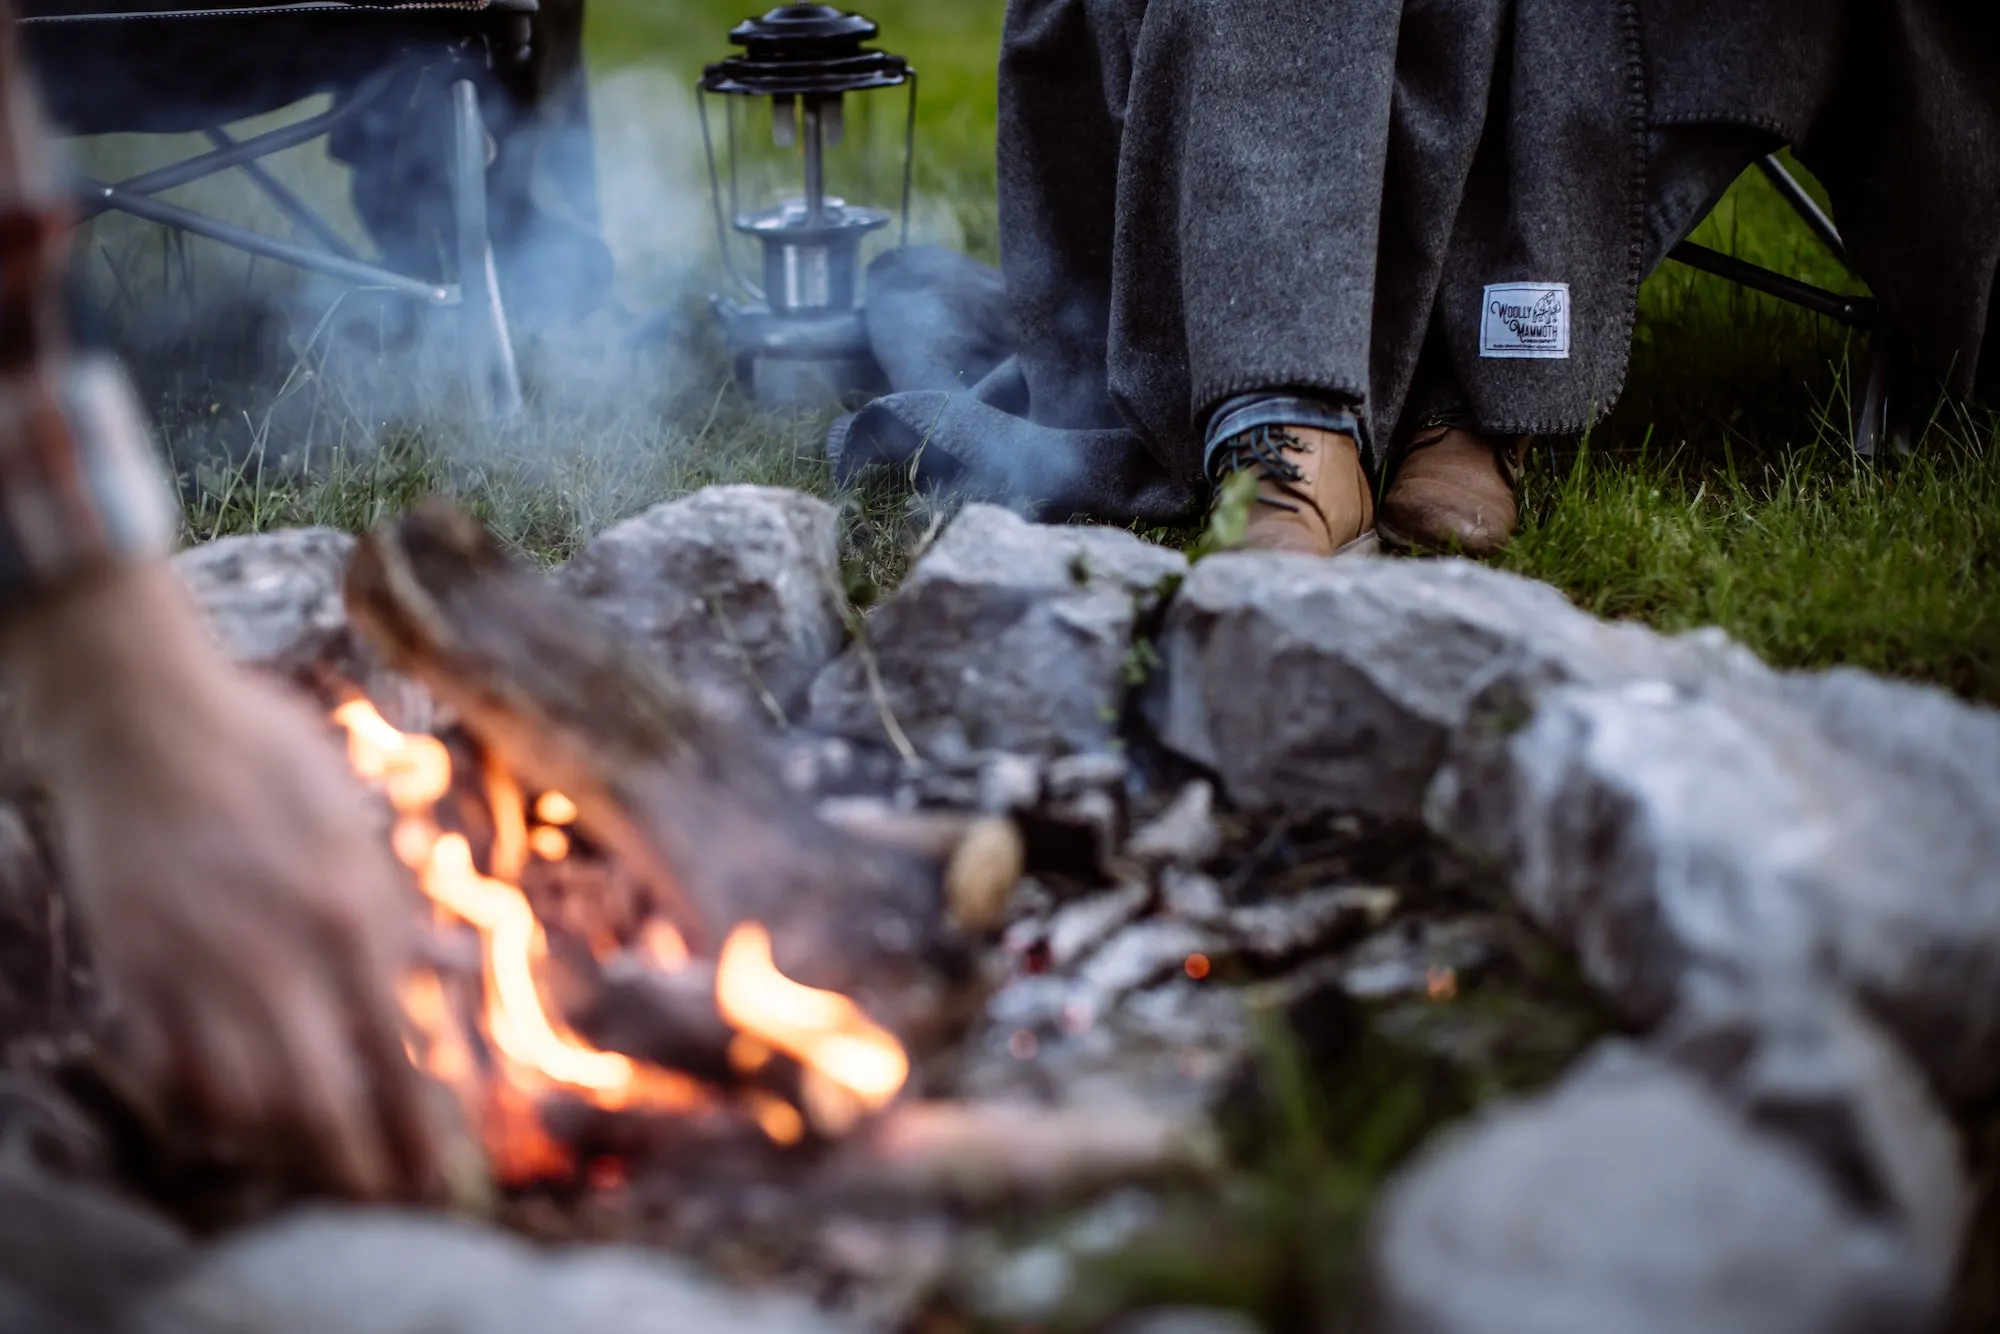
[1881, 421]
[172, 67]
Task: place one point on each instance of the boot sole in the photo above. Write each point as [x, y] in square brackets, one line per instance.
[1394, 539]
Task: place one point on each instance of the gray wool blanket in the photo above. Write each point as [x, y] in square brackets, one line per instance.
[1419, 208]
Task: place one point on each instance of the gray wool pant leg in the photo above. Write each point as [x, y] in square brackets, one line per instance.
[1189, 199]
[1064, 70]
[1249, 205]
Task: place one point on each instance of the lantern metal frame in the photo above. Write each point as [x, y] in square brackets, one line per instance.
[806, 58]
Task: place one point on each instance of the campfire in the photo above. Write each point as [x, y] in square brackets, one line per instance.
[512, 1053]
[615, 880]
[649, 958]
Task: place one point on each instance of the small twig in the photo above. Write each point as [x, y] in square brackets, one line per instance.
[923, 544]
[713, 410]
[876, 690]
[872, 669]
[924, 444]
[764, 695]
[858, 631]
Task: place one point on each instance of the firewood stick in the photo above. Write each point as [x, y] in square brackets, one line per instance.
[983, 1153]
[668, 1019]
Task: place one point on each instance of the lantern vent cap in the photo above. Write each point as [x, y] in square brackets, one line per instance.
[802, 50]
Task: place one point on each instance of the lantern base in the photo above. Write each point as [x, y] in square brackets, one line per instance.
[793, 361]
[780, 383]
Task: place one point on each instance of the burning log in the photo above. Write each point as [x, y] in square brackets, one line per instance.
[690, 805]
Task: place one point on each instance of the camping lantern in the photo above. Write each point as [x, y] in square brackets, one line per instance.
[786, 113]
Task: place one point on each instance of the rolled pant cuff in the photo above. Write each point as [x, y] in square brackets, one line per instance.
[1248, 412]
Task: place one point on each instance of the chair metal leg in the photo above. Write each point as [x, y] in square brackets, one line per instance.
[298, 210]
[1886, 423]
[491, 371]
[1883, 421]
[1804, 205]
[357, 272]
[1871, 422]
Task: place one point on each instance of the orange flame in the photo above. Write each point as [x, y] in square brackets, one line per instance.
[822, 1030]
[850, 1064]
[662, 946]
[415, 771]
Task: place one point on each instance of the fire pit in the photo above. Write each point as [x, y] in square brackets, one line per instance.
[779, 1004]
[646, 955]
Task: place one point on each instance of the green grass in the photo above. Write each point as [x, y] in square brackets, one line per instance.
[1721, 489]
[1804, 555]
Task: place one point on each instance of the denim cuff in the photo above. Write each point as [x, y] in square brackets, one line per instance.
[1247, 412]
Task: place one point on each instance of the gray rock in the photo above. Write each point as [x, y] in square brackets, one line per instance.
[366, 1271]
[1184, 834]
[1074, 776]
[1633, 1198]
[996, 782]
[1307, 684]
[273, 599]
[1007, 635]
[1810, 1068]
[74, 1257]
[1008, 783]
[735, 591]
[1830, 826]
[888, 1270]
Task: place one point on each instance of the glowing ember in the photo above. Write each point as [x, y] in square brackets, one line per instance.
[776, 1117]
[849, 1064]
[550, 843]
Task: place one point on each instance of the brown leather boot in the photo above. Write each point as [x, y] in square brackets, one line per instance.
[1454, 491]
[1312, 492]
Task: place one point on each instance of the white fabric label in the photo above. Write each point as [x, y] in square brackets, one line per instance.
[1525, 320]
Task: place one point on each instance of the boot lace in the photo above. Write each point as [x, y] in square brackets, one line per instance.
[1263, 448]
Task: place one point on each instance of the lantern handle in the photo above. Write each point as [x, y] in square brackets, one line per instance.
[909, 156]
[715, 199]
